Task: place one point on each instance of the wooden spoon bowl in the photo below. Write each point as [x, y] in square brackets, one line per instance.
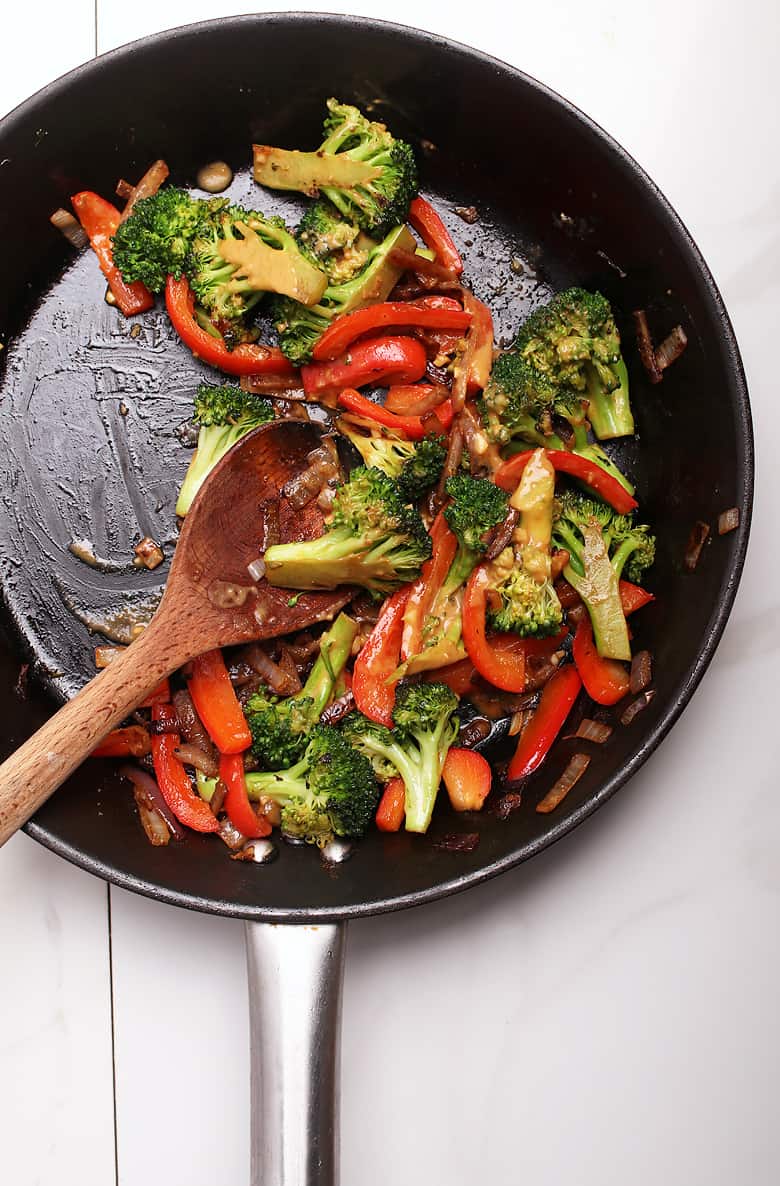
[210, 601]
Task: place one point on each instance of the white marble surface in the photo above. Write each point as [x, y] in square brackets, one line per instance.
[604, 1015]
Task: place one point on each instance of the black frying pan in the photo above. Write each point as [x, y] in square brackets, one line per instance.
[90, 448]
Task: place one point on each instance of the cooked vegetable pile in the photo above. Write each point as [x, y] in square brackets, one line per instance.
[495, 549]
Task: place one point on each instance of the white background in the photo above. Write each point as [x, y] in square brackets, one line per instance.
[606, 1015]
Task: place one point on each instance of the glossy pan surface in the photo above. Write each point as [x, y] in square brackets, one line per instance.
[91, 449]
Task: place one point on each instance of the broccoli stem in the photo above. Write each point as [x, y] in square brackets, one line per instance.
[609, 412]
[280, 785]
[598, 587]
[335, 648]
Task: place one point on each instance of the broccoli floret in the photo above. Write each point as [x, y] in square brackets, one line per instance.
[415, 465]
[331, 791]
[416, 748]
[575, 342]
[521, 595]
[477, 506]
[368, 175]
[225, 414]
[299, 327]
[280, 726]
[372, 538]
[239, 255]
[332, 243]
[601, 544]
[155, 240]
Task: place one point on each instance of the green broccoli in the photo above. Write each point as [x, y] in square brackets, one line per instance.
[156, 238]
[575, 342]
[601, 545]
[331, 791]
[332, 243]
[280, 727]
[372, 539]
[368, 175]
[477, 506]
[238, 255]
[521, 595]
[414, 465]
[416, 748]
[520, 403]
[225, 415]
[299, 327]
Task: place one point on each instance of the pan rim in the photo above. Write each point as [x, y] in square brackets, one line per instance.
[711, 631]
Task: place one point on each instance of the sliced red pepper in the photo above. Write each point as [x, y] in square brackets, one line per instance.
[467, 777]
[422, 592]
[392, 806]
[345, 330]
[503, 669]
[461, 676]
[244, 360]
[564, 462]
[606, 680]
[217, 705]
[100, 221]
[633, 597]
[172, 778]
[379, 362]
[412, 427]
[414, 399]
[434, 234]
[132, 741]
[481, 352]
[239, 810]
[373, 685]
[557, 698]
[159, 695]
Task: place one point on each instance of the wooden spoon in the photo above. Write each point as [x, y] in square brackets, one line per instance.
[210, 601]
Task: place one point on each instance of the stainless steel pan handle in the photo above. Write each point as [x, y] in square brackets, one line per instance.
[295, 980]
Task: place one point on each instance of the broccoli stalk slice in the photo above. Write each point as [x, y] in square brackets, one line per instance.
[335, 649]
[420, 769]
[226, 414]
[341, 558]
[597, 584]
[609, 411]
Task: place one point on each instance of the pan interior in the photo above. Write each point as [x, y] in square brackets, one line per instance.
[94, 412]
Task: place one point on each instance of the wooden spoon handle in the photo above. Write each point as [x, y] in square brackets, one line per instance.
[43, 763]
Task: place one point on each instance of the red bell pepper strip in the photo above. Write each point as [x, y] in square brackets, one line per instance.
[461, 676]
[373, 685]
[100, 221]
[392, 806]
[606, 680]
[505, 670]
[434, 234]
[508, 475]
[467, 777]
[633, 597]
[412, 427]
[159, 695]
[217, 705]
[132, 741]
[172, 778]
[422, 592]
[557, 698]
[379, 362]
[239, 810]
[345, 330]
[244, 360]
[482, 346]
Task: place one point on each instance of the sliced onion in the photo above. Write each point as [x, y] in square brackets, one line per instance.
[277, 679]
[70, 227]
[123, 189]
[416, 400]
[518, 721]
[637, 706]
[696, 540]
[596, 731]
[645, 346]
[149, 184]
[728, 521]
[256, 569]
[153, 797]
[218, 798]
[502, 534]
[470, 735]
[230, 835]
[641, 672]
[193, 755]
[671, 348]
[157, 832]
[508, 803]
[272, 384]
[469, 214]
[576, 767]
[190, 725]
